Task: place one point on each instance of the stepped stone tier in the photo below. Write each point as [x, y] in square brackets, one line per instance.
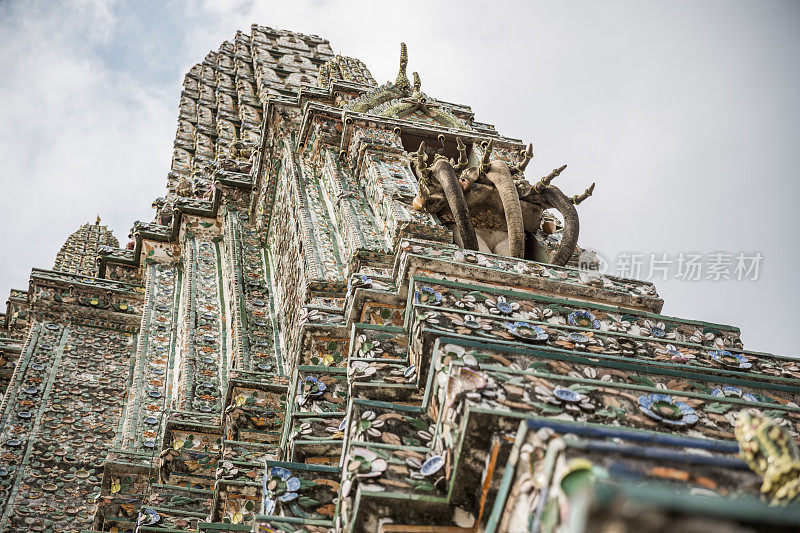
[359, 309]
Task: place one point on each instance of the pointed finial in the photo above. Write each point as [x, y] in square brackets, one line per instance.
[97, 222]
[402, 82]
[417, 82]
[463, 160]
[544, 183]
[526, 156]
[487, 153]
[578, 198]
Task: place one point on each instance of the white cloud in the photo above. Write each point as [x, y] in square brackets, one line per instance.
[74, 132]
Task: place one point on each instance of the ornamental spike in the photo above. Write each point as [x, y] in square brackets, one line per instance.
[420, 157]
[487, 153]
[545, 181]
[577, 199]
[463, 160]
[526, 155]
[402, 82]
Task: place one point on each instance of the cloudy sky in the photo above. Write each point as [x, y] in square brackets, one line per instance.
[685, 113]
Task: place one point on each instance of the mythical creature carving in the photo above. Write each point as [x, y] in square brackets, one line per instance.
[240, 158]
[403, 100]
[771, 453]
[491, 207]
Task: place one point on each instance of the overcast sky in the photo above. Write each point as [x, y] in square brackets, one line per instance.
[685, 113]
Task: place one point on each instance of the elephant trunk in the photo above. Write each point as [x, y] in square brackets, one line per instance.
[553, 197]
[444, 173]
[499, 174]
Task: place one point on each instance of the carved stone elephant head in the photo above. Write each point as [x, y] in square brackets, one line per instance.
[491, 208]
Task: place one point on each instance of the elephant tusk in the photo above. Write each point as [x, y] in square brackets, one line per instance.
[577, 199]
[545, 181]
[487, 153]
[526, 155]
[463, 160]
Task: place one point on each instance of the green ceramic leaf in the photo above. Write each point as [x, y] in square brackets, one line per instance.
[699, 387]
[305, 501]
[583, 389]
[547, 408]
[418, 423]
[717, 407]
[641, 380]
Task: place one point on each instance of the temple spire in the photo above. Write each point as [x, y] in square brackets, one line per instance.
[402, 82]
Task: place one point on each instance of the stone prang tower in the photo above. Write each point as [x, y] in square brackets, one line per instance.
[358, 309]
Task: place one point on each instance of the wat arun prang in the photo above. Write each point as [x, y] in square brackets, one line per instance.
[357, 308]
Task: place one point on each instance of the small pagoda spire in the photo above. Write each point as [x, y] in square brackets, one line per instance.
[402, 82]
